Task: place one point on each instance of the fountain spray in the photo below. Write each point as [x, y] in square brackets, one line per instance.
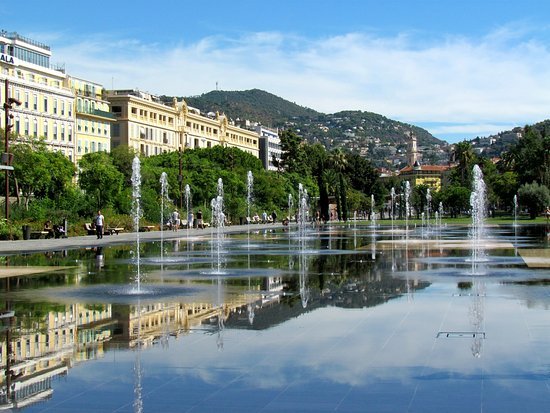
[136, 213]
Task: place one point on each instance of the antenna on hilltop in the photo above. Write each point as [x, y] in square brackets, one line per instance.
[216, 85]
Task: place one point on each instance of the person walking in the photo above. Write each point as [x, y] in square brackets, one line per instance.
[175, 220]
[99, 222]
[200, 223]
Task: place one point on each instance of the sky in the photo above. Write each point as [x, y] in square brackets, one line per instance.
[459, 69]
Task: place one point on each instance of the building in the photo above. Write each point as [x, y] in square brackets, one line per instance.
[270, 146]
[47, 104]
[428, 175]
[143, 122]
[206, 130]
[418, 174]
[93, 117]
[151, 127]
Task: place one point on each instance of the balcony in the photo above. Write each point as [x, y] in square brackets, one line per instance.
[98, 113]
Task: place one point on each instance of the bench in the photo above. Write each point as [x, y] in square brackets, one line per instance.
[88, 227]
[111, 231]
[40, 234]
[146, 228]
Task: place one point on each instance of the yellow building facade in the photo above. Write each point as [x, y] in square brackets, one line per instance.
[152, 127]
[93, 117]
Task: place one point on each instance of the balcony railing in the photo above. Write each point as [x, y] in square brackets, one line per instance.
[97, 112]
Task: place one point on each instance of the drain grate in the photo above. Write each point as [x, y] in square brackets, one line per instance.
[468, 295]
[461, 334]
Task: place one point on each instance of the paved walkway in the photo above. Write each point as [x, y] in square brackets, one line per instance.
[37, 245]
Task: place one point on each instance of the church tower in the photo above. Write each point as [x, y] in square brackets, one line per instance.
[412, 153]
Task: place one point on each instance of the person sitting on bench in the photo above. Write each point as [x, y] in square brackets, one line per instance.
[49, 229]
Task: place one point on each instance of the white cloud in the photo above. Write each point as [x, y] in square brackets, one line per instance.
[500, 78]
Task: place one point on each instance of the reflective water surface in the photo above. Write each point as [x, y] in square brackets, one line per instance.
[346, 319]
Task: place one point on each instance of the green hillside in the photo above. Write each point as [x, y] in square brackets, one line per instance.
[255, 105]
[369, 133]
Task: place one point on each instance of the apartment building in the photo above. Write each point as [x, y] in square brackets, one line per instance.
[47, 105]
[150, 126]
[270, 146]
[143, 122]
[92, 117]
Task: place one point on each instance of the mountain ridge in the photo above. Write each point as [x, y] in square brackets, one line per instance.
[368, 133]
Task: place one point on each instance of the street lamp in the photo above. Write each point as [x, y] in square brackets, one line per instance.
[6, 156]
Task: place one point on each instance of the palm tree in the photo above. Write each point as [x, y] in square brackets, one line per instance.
[339, 162]
[464, 154]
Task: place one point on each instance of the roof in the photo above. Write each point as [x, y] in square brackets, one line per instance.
[425, 168]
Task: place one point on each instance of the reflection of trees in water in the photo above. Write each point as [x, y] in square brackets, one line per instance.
[348, 281]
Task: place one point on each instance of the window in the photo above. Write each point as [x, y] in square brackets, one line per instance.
[35, 102]
[46, 126]
[35, 130]
[63, 132]
[55, 106]
[55, 131]
[115, 130]
[70, 134]
[62, 108]
[45, 104]
[26, 100]
[26, 127]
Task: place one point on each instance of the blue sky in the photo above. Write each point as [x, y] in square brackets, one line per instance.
[460, 69]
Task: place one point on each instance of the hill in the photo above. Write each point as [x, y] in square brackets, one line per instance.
[255, 105]
[496, 145]
[381, 139]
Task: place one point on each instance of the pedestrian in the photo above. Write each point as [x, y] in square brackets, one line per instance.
[547, 214]
[190, 218]
[99, 222]
[175, 220]
[200, 224]
[273, 217]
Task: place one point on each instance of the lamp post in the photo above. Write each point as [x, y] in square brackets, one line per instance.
[6, 158]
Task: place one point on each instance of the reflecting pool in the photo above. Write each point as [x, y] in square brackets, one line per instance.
[337, 318]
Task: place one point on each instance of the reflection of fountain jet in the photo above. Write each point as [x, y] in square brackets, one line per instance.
[304, 289]
[477, 316]
[221, 314]
[138, 372]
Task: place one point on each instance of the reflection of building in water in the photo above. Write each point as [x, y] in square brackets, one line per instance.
[156, 319]
[35, 350]
[272, 289]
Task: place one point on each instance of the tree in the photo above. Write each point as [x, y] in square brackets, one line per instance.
[530, 158]
[534, 197]
[32, 170]
[293, 157]
[463, 154]
[100, 178]
[339, 162]
[361, 174]
[62, 172]
[455, 199]
[122, 157]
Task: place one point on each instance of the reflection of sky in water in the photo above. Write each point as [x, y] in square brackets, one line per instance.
[337, 355]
